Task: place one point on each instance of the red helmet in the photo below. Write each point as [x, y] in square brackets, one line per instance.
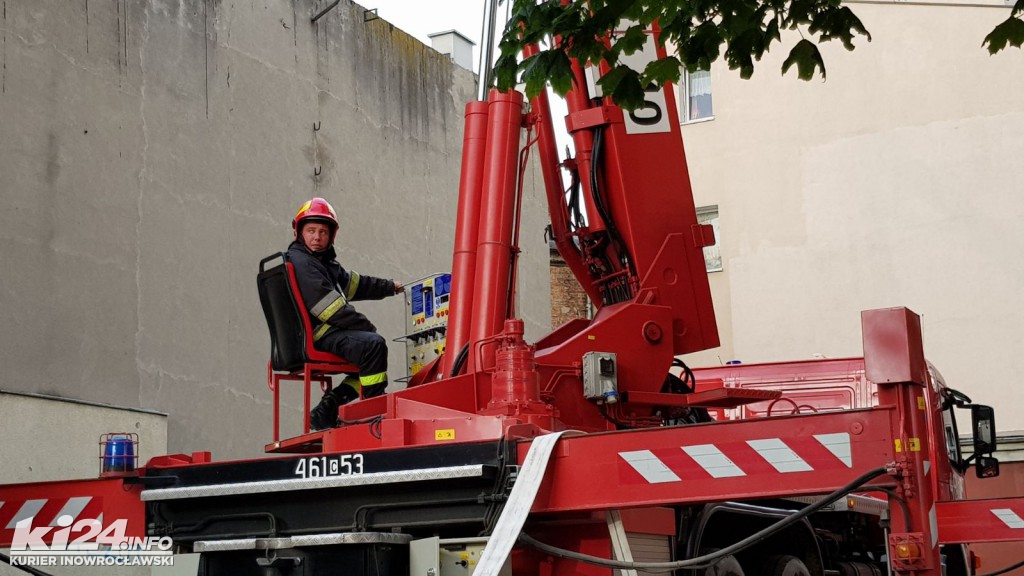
[316, 210]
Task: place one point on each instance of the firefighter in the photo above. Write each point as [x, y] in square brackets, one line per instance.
[327, 288]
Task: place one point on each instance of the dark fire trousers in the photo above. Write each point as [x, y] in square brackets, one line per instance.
[368, 350]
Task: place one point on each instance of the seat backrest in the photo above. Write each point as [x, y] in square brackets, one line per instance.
[290, 332]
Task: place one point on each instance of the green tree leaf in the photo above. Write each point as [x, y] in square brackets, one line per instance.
[662, 70]
[534, 74]
[560, 74]
[698, 31]
[628, 92]
[633, 40]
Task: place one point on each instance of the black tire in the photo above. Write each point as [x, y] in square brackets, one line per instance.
[784, 565]
[727, 566]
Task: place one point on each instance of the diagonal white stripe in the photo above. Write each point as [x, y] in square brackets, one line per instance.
[73, 508]
[713, 461]
[933, 521]
[649, 466]
[779, 455]
[1009, 517]
[28, 510]
[838, 444]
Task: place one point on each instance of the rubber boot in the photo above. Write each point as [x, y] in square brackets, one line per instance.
[325, 414]
[347, 391]
[320, 416]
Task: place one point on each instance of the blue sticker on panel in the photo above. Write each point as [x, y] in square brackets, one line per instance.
[417, 299]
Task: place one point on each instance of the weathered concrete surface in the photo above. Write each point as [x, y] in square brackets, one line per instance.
[68, 434]
[151, 152]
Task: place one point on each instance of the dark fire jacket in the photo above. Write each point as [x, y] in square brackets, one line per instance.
[327, 289]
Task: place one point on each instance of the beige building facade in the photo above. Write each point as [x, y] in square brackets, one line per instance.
[896, 182]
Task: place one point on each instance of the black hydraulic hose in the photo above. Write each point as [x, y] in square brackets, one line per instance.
[1004, 570]
[360, 517]
[27, 569]
[460, 359]
[899, 500]
[192, 528]
[367, 420]
[595, 184]
[613, 231]
[711, 559]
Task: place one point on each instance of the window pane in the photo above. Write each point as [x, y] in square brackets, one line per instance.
[698, 90]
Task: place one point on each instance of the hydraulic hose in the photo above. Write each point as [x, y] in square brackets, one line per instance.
[460, 359]
[708, 560]
[1004, 570]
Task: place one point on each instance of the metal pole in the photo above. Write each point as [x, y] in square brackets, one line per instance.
[486, 73]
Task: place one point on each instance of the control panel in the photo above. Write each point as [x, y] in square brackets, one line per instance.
[426, 320]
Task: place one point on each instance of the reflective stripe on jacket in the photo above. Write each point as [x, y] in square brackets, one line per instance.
[327, 289]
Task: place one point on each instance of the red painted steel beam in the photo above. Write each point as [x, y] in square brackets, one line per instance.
[44, 502]
[894, 359]
[497, 214]
[993, 520]
[764, 458]
[554, 189]
[467, 228]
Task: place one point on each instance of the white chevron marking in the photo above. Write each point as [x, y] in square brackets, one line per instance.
[933, 522]
[1009, 517]
[779, 455]
[649, 466]
[28, 510]
[73, 508]
[838, 444]
[713, 461]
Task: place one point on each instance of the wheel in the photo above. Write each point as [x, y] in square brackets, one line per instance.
[784, 565]
[727, 566]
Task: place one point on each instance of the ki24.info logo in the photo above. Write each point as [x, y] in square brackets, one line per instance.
[95, 546]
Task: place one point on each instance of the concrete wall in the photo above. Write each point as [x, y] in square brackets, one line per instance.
[57, 439]
[49, 439]
[151, 152]
[896, 182]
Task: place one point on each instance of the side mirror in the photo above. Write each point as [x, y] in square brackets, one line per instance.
[986, 467]
[983, 421]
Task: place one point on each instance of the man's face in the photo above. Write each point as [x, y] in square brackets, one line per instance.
[316, 236]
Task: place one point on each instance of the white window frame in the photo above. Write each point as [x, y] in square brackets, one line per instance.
[712, 254]
[684, 100]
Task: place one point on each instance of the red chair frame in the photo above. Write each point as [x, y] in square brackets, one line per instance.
[318, 367]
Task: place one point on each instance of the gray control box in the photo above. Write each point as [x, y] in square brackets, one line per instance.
[601, 377]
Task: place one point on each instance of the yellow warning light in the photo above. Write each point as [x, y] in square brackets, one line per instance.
[908, 551]
[850, 502]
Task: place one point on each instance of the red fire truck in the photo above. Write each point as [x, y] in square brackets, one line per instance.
[592, 449]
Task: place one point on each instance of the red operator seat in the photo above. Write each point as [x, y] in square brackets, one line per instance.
[292, 355]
